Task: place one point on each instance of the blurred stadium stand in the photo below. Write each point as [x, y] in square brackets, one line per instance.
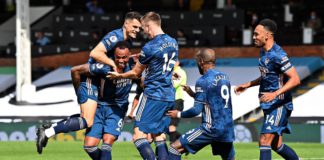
[70, 24]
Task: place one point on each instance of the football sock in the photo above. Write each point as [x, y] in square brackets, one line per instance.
[106, 151]
[174, 154]
[93, 151]
[145, 149]
[287, 153]
[49, 132]
[161, 150]
[71, 124]
[265, 152]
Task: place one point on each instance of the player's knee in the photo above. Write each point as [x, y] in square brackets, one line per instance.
[264, 141]
[109, 139]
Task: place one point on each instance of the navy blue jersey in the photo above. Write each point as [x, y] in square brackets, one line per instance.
[213, 90]
[110, 40]
[115, 92]
[160, 55]
[273, 64]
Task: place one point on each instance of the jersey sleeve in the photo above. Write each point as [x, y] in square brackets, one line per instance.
[110, 40]
[99, 69]
[145, 55]
[200, 90]
[283, 62]
[193, 111]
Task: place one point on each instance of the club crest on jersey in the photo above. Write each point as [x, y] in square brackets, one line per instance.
[99, 65]
[113, 39]
[266, 61]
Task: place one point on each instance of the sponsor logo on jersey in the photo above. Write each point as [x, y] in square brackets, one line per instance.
[113, 39]
[284, 59]
[286, 66]
[199, 89]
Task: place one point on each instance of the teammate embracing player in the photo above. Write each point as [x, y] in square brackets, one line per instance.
[86, 86]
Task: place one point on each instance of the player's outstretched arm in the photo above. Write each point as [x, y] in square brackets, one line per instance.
[76, 73]
[192, 112]
[99, 54]
[132, 74]
[241, 88]
[189, 91]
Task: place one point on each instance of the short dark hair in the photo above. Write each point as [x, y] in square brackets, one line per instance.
[133, 15]
[269, 25]
[122, 45]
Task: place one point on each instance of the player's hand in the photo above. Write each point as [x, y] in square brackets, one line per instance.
[113, 75]
[173, 113]
[239, 89]
[176, 76]
[188, 90]
[114, 68]
[268, 96]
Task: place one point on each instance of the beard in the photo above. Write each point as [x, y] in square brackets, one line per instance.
[258, 45]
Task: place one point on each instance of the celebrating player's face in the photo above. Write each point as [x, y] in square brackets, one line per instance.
[259, 36]
[121, 57]
[132, 27]
[146, 28]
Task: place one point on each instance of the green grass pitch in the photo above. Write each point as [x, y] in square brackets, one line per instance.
[127, 151]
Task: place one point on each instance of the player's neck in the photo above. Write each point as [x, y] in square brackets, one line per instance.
[158, 31]
[268, 46]
[124, 33]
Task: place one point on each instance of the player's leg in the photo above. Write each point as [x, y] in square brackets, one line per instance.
[113, 124]
[106, 148]
[283, 127]
[87, 97]
[283, 150]
[192, 141]
[94, 135]
[145, 121]
[265, 146]
[175, 150]
[270, 129]
[72, 124]
[173, 133]
[142, 144]
[161, 149]
[224, 149]
[91, 147]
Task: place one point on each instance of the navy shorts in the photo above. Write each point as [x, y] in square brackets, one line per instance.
[108, 119]
[276, 121]
[88, 89]
[151, 116]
